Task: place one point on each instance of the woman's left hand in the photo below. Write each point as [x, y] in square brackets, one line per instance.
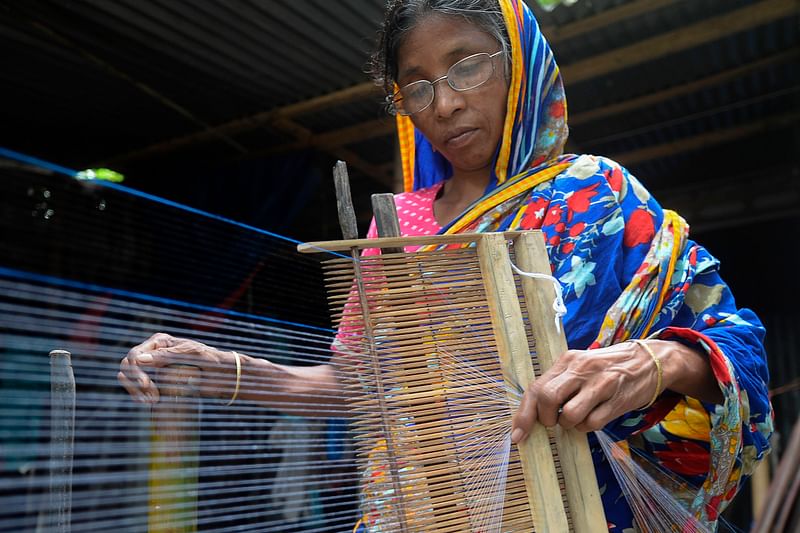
[587, 389]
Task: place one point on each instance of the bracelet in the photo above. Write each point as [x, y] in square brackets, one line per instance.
[238, 378]
[659, 371]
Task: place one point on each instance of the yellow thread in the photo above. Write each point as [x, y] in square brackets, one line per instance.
[659, 371]
[238, 378]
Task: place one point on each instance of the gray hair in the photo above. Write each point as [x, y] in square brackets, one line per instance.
[402, 16]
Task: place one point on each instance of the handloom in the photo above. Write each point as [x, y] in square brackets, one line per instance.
[435, 349]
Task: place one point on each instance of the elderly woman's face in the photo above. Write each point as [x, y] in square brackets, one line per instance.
[465, 127]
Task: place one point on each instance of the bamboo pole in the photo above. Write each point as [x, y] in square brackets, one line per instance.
[538, 466]
[583, 494]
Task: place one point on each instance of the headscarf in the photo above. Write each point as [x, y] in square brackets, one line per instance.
[535, 127]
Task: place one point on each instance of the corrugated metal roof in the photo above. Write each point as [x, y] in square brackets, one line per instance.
[91, 80]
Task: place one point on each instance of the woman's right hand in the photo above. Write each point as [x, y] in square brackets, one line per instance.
[162, 350]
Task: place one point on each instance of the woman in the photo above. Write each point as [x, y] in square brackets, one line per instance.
[482, 123]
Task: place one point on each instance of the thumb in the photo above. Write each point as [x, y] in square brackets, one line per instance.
[525, 417]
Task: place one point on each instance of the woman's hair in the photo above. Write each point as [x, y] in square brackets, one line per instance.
[403, 15]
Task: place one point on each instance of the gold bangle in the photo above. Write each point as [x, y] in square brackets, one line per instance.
[659, 371]
[238, 378]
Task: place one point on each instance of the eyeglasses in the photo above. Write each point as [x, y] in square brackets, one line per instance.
[468, 73]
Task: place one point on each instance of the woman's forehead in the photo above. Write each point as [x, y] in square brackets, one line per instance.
[439, 40]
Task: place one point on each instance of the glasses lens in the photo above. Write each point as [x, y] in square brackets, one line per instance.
[470, 72]
[413, 97]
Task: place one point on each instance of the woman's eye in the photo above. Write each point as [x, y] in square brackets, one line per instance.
[466, 69]
[416, 92]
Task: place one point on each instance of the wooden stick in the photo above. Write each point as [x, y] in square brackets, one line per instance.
[385, 211]
[421, 240]
[347, 219]
[583, 493]
[780, 501]
[344, 202]
[62, 441]
[544, 492]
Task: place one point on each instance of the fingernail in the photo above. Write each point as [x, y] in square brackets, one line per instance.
[144, 358]
[517, 435]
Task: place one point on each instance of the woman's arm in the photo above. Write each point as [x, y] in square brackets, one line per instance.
[298, 390]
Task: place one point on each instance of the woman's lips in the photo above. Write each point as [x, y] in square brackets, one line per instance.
[461, 138]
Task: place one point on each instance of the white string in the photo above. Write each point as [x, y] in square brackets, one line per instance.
[558, 304]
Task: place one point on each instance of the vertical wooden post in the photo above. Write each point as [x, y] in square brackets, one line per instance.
[538, 466]
[347, 219]
[759, 488]
[62, 441]
[385, 211]
[583, 494]
[173, 452]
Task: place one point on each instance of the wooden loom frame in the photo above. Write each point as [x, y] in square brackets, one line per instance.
[506, 314]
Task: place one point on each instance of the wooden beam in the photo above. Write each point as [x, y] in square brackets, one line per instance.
[734, 201]
[352, 159]
[679, 90]
[341, 137]
[704, 140]
[687, 37]
[354, 93]
[611, 16]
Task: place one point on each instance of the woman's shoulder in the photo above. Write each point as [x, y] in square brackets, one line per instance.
[421, 197]
[592, 170]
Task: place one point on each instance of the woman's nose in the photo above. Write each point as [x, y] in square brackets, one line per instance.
[447, 100]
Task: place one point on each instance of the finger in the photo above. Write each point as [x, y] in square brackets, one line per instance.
[149, 388]
[598, 418]
[576, 410]
[525, 417]
[131, 387]
[137, 382]
[554, 390]
[148, 394]
[156, 341]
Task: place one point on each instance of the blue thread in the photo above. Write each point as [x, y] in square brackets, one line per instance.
[5, 152]
[11, 154]
[42, 278]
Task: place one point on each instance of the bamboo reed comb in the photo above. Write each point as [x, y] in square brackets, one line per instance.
[435, 348]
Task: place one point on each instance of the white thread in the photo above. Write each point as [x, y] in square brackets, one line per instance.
[558, 304]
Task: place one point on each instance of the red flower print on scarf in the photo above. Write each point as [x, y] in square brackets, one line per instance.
[579, 201]
[553, 215]
[615, 180]
[534, 213]
[639, 229]
[685, 457]
[576, 229]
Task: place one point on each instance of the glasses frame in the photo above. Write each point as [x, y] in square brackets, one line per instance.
[392, 99]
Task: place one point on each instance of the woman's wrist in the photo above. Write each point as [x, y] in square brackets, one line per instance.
[686, 370]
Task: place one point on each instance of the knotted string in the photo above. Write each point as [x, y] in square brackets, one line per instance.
[558, 303]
